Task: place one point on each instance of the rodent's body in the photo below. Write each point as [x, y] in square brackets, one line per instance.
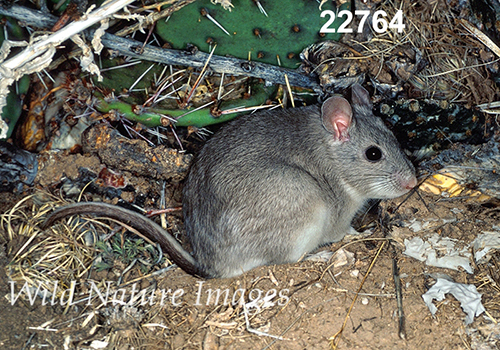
[267, 189]
[250, 191]
[271, 187]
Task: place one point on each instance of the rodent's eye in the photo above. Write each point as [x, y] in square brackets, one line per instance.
[373, 154]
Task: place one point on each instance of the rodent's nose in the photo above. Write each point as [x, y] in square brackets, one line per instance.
[411, 183]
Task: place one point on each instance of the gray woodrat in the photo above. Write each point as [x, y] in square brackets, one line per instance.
[272, 186]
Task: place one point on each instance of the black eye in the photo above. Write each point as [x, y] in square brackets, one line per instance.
[373, 154]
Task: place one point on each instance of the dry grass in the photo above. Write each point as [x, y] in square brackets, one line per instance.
[458, 62]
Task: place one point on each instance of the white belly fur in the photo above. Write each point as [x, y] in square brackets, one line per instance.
[313, 233]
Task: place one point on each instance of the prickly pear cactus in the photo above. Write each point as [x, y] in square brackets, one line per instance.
[279, 28]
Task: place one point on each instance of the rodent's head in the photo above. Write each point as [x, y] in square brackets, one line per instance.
[368, 155]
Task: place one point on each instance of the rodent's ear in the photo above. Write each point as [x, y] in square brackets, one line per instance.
[337, 117]
[360, 96]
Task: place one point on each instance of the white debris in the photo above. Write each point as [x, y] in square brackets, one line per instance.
[4, 129]
[466, 294]
[341, 257]
[224, 3]
[97, 344]
[485, 242]
[439, 251]
[416, 225]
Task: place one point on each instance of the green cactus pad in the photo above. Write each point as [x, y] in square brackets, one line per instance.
[152, 117]
[290, 27]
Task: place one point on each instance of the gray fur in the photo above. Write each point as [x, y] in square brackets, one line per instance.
[273, 186]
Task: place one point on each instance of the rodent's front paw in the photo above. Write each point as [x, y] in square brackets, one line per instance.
[352, 234]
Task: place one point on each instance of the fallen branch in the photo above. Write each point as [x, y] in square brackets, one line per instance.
[218, 64]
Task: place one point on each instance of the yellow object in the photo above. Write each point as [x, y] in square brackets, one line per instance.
[446, 184]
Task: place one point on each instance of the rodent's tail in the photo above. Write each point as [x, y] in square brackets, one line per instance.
[139, 222]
